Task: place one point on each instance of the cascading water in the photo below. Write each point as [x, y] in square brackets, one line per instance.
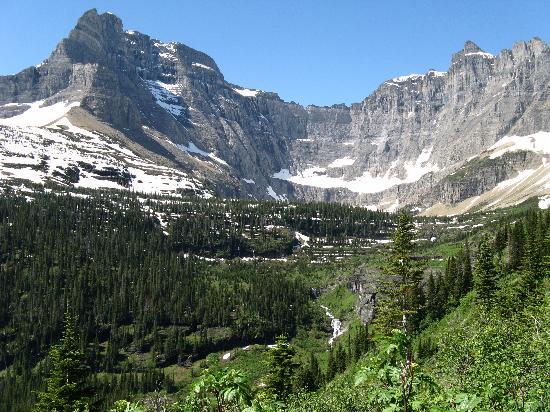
[336, 324]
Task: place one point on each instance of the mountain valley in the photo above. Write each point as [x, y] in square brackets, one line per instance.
[173, 242]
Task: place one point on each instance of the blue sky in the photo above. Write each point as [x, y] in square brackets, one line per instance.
[310, 51]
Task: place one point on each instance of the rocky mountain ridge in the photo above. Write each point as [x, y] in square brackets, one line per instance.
[475, 136]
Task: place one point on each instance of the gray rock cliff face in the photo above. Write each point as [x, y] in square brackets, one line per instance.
[400, 146]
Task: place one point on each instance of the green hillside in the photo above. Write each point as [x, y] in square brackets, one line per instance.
[178, 304]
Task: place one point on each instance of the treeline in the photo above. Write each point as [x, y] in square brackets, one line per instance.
[233, 228]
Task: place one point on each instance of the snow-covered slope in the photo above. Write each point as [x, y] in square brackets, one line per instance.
[38, 113]
[538, 142]
[525, 183]
[64, 154]
[316, 176]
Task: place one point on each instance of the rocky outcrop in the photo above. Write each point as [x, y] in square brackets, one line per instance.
[368, 284]
[405, 144]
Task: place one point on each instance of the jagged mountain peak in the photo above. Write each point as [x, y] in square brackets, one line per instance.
[534, 46]
[410, 143]
[100, 39]
[470, 52]
[103, 23]
[471, 47]
[94, 39]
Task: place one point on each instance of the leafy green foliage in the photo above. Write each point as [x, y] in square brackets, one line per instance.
[220, 390]
[394, 384]
[502, 360]
[125, 406]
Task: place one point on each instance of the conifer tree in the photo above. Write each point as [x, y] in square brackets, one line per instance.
[308, 376]
[485, 275]
[360, 343]
[431, 297]
[400, 310]
[515, 246]
[467, 276]
[281, 369]
[442, 296]
[452, 280]
[341, 359]
[67, 387]
[501, 238]
[531, 268]
[401, 304]
[315, 372]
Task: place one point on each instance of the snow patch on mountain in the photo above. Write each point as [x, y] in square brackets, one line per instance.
[165, 96]
[193, 149]
[413, 76]
[274, 195]
[283, 174]
[303, 239]
[367, 183]
[167, 50]
[521, 176]
[246, 92]
[538, 142]
[202, 66]
[436, 73]
[37, 114]
[344, 161]
[71, 156]
[544, 202]
[480, 53]
[420, 167]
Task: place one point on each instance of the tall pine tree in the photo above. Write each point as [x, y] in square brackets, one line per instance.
[67, 387]
[402, 293]
[485, 275]
[281, 369]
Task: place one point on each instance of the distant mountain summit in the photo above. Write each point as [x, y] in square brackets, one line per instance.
[124, 110]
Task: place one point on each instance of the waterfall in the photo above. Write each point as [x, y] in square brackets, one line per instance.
[337, 329]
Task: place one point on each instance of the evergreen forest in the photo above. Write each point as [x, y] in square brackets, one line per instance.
[113, 301]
